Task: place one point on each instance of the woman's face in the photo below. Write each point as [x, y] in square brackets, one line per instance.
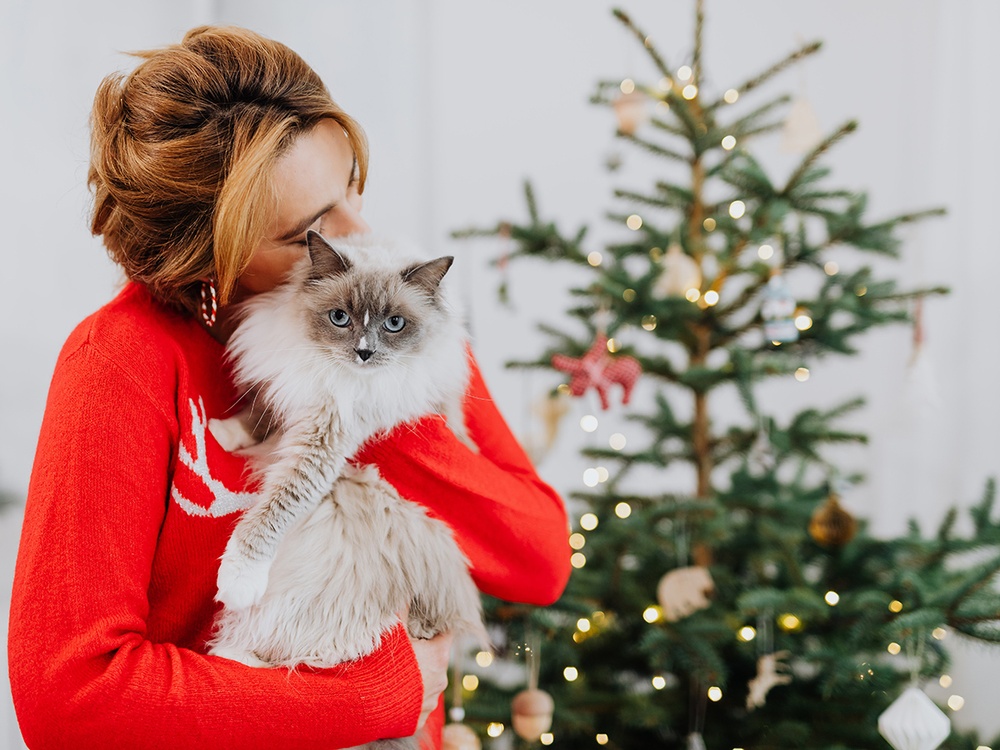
[316, 188]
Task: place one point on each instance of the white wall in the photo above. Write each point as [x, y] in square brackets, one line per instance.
[462, 101]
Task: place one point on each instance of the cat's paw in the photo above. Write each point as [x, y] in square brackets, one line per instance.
[241, 582]
[232, 434]
[243, 657]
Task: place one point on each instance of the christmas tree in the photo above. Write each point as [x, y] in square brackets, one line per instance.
[748, 610]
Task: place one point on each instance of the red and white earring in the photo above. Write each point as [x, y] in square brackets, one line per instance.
[209, 302]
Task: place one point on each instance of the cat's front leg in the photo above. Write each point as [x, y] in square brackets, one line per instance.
[309, 459]
[234, 433]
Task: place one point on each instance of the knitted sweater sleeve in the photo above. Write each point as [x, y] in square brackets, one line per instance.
[509, 523]
[83, 672]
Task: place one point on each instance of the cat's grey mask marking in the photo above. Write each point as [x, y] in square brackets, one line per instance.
[370, 318]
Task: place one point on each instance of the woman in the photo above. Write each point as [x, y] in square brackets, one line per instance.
[209, 163]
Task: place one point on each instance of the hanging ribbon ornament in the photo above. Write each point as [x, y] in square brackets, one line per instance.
[599, 370]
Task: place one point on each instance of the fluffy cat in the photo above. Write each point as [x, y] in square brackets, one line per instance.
[355, 343]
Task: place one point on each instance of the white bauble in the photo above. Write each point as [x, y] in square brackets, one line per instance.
[913, 722]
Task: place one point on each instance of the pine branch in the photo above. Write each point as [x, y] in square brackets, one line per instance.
[825, 145]
[644, 40]
[779, 66]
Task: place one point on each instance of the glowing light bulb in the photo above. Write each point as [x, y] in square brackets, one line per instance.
[495, 729]
[595, 258]
[578, 560]
[634, 222]
[955, 702]
[484, 658]
[746, 633]
[939, 633]
[689, 92]
[831, 268]
[803, 322]
[588, 423]
[684, 72]
[659, 682]
[729, 143]
[731, 96]
[895, 606]
[802, 374]
[602, 474]
[617, 441]
[591, 477]
[547, 739]
[628, 295]
[711, 297]
[894, 648]
[571, 673]
[789, 622]
[613, 346]
[832, 598]
[623, 510]
[715, 694]
[588, 522]
[765, 252]
[737, 209]
[652, 614]
[577, 540]
[602, 739]
[583, 625]
[649, 322]
[470, 682]
[692, 295]
[709, 224]
[944, 681]
[627, 86]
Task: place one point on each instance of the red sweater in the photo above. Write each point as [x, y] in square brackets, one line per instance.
[130, 505]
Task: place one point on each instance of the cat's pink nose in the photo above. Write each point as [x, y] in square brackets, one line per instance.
[365, 354]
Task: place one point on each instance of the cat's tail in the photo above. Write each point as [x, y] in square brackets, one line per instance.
[402, 743]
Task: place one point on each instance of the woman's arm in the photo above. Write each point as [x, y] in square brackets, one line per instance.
[84, 671]
[509, 523]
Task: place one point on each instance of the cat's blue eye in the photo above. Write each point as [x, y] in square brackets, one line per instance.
[339, 318]
[394, 323]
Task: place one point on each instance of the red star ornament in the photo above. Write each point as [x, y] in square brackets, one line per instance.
[598, 369]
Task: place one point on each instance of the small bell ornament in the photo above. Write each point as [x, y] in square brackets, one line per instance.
[778, 311]
[684, 591]
[459, 737]
[831, 525]
[913, 722]
[531, 713]
[680, 272]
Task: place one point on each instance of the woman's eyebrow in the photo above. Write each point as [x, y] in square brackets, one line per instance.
[303, 225]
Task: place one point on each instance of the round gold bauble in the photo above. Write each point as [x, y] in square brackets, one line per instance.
[831, 525]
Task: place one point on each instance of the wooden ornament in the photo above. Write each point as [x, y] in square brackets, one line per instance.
[771, 672]
[631, 111]
[679, 274]
[684, 591]
[531, 713]
[831, 525]
[459, 737]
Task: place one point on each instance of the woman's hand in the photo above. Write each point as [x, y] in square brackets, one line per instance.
[432, 658]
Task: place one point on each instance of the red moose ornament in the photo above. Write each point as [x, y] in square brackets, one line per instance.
[598, 369]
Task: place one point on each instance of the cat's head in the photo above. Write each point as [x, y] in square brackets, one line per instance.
[368, 310]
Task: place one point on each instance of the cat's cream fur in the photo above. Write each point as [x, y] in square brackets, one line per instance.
[324, 565]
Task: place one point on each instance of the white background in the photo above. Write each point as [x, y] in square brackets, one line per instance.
[463, 100]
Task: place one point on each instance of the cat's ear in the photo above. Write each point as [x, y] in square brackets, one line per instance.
[428, 275]
[326, 261]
